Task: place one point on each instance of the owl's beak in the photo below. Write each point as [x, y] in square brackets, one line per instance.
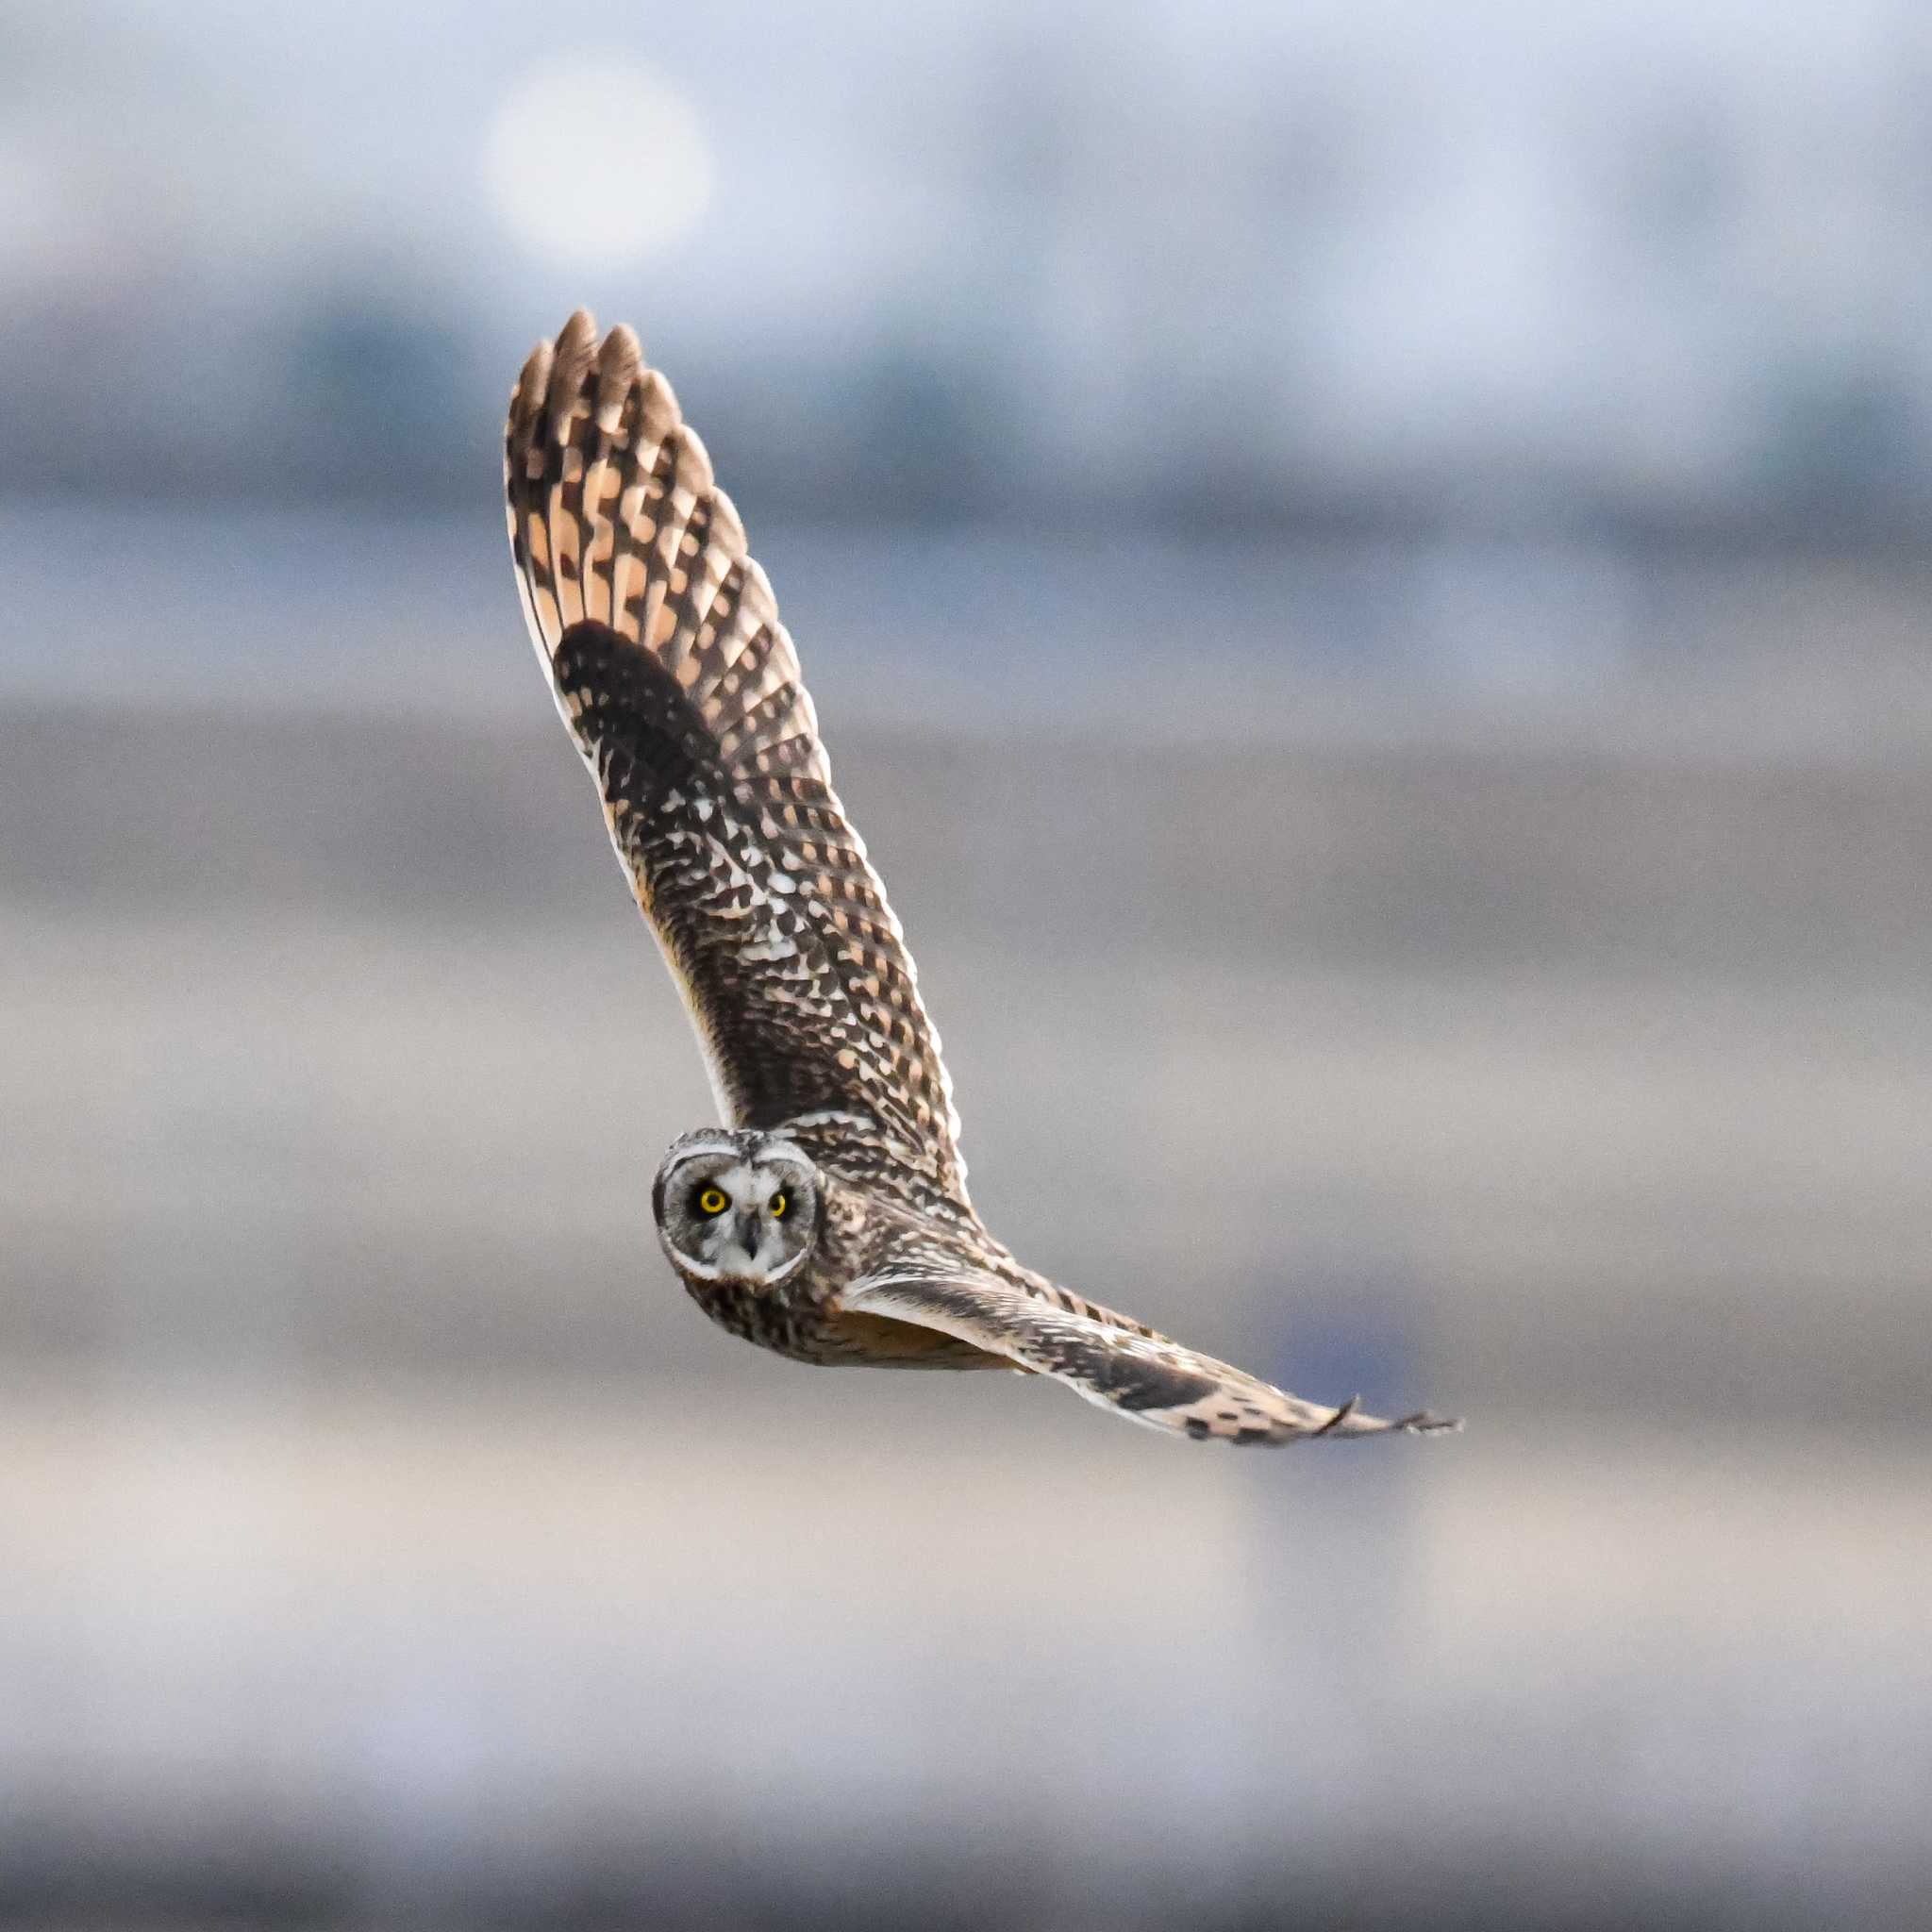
[749, 1235]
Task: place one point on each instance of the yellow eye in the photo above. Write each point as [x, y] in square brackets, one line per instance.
[713, 1201]
[777, 1204]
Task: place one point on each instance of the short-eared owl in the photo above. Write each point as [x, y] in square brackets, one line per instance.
[829, 1220]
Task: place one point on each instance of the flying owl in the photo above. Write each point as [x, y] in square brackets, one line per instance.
[829, 1220]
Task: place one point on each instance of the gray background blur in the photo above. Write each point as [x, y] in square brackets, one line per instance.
[1364, 567]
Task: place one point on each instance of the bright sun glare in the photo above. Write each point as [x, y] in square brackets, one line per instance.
[598, 162]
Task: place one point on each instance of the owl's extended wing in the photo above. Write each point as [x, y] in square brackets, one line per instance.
[1140, 1375]
[683, 692]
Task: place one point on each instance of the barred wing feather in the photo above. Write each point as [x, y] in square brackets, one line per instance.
[683, 692]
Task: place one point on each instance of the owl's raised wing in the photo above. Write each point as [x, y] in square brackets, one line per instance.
[683, 692]
[1113, 1363]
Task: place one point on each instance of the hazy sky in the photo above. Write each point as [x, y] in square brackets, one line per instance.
[1389, 236]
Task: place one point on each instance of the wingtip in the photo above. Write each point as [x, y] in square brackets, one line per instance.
[533, 385]
[694, 463]
[1349, 1422]
[576, 342]
[621, 354]
[620, 359]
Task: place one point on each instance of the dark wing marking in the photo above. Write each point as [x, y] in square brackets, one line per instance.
[683, 692]
[1140, 1375]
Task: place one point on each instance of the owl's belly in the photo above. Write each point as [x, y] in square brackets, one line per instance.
[808, 1331]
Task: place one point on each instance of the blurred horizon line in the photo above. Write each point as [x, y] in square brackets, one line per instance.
[1238, 523]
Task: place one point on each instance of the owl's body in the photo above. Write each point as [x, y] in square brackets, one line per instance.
[829, 1220]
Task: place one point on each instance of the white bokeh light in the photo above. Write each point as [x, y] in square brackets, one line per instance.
[598, 162]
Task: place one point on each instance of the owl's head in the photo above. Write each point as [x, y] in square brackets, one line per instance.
[736, 1205]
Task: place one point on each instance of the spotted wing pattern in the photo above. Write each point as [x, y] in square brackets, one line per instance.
[1131, 1370]
[683, 692]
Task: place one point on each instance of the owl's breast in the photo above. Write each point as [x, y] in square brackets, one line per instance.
[768, 1317]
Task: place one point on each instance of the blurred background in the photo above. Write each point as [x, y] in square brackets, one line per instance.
[1365, 570]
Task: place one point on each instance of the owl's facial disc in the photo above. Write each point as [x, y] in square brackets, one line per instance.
[736, 1206]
